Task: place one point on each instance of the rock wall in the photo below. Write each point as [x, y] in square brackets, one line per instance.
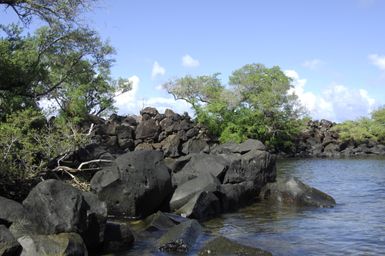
[320, 140]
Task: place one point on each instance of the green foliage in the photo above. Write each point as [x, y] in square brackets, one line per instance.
[28, 141]
[364, 129]
[70, 67]
[257, 104]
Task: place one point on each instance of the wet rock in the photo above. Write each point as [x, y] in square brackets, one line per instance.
[202, 206]
[11, 211]
[158, 221]
[137, 186]
[223, 246]
[181, 238]
[186, 191]
[8, 244]
[117, 237]
[292, 191]
[70, 244]
[234, 196]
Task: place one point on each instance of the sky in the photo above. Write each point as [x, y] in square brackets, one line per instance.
[333, 49]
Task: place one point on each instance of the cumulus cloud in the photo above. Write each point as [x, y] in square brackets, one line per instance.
[157, 70]
[378, 60]
[190, 62]
[312, 64]
[131, 103]
[337, 102]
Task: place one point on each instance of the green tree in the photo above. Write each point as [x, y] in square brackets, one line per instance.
[71, 67]
[257, 104]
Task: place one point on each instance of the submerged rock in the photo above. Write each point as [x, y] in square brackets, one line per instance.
[292, 191]
[117, 237]
[181, 238]
[222, 246]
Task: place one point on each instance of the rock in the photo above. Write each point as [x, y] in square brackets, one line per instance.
[8, 244]
[256, 166]
[292, 191]
[125, 137]
[158, 221]
[70, 244]
[147, 129]
[242, 148]
[152, 112]
[56, 207]
[184, 192]
[144, 146]
[202, 206]
[137, 186]
[224, 246]
[180, 238]
[194, 146]
[171, 145]
[117, 237]
[11, 211]
[234, 196]
[201, 163]
[176, 164]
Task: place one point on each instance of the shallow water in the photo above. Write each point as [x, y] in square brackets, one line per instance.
[356, 226]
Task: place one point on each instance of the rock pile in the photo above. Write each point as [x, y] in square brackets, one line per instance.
[320, 140]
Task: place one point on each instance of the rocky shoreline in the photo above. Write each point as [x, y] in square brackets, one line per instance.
[162, 170]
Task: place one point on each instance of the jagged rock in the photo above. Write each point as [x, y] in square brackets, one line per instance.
[147, 129]
[11, 211]
[144, 146]
[136, 186]
[117, 237]
[158, 221]
[256, 166]
[224, 246]
[292, 191]
[70, 244]
[186, 191]
[125, 137]
[152, 112]
[176, 164]
[195, 146]
[234, 148]
[201, 163]
[180, 238]
[8, 244]
[171, 145]
[201, 206]
[234, 196]
[56, 207]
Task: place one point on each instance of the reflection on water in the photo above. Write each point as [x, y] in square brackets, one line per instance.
[356, 226]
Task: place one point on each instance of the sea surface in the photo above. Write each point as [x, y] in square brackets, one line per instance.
[356, 226]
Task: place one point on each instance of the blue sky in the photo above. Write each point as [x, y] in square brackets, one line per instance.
[334, 50]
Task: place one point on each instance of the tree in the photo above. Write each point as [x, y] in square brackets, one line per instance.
[257, 104]
[71, 67]
[64, 12]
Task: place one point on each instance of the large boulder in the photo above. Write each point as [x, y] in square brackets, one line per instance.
[256, 166]
[292, 191]
[56, 207]
[203, 205]
[147, 129]
[11, 211]
[136, 186]
[200, 164]
[66, 244]
[8, 244]
[224, 246]
[184, 192]
[180, 238]
[234, 196]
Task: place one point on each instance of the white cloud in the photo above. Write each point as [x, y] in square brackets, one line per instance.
[312, 64]
[157, 70]
[377, 60]
[190, 62]
[336, 103]
[131, 103]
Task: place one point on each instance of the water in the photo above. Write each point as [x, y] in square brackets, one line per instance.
[356, 226]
